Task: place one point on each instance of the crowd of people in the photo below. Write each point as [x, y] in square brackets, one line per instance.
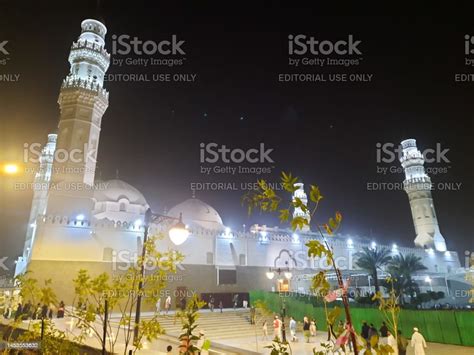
[30, 311]
[341, 334]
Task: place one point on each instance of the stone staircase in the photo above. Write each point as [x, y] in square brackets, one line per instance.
[217, 326]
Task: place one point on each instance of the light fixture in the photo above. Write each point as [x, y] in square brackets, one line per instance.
[80, 217]
[270, 275]
[179, 232]
[296, 238]
[227, 230]
[373, 245]
[394, 246]
[138, 223]
[350, 242]
[10, 169]
[428, 279]
[288, 275]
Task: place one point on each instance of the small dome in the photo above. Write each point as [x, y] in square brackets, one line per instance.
[115, 190]
[195, 211]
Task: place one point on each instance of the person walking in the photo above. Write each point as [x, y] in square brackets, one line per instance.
[167, 304]
[211, 303]
[236, 301]
[221, 306]
[306, 327]
[312, 328]
[402, 343]
[418, 342]
[245, 303]
[365, 331]
[383, 333]
[293, 329]
[276, 328]
[158, 306]
[60, 313]
[392, 342]
[265, 330]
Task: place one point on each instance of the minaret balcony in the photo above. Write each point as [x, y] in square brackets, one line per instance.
[77, 83]
[84, 51]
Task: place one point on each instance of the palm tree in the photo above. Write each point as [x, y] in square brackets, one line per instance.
[402, 268]
[372, 259]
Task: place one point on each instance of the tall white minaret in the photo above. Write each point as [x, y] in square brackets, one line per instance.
[82, 102]
[40, 197]
[417, 185]
[298, 212]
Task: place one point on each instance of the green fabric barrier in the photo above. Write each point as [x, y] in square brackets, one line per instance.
[444, 326]
[465, 324]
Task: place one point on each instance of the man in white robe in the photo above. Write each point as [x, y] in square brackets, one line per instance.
[392, 342]
[418, 342]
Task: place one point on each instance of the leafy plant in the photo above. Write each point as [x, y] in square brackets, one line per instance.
[279, 347]
[265, 199]
[189, 318]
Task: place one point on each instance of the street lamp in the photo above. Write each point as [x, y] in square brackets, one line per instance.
[178, 235]
[288, 275]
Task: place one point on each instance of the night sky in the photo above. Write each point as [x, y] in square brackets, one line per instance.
[324, 132]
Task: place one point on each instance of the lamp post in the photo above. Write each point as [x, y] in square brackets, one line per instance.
[178, 235]
[288, 275]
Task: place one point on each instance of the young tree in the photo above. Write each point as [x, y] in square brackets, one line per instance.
[120, 294]
[188, 318]
[265, 199]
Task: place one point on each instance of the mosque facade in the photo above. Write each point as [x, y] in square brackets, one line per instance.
[79, 222]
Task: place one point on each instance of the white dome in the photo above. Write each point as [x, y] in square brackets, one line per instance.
[197, 212]
[116, 190]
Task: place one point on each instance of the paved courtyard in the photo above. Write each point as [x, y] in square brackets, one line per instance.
[303, 348]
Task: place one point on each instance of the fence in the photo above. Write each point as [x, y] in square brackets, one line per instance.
[440, 326]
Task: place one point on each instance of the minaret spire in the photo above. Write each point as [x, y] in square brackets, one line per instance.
[417, 185]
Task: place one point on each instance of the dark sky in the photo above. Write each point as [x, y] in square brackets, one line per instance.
[324, 132]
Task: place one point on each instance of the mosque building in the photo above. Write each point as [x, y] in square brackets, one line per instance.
[79, 222]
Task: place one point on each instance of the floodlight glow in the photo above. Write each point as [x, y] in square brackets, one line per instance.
[394, 246]
[373, 245]
[11, 169]
[270, 275]
[138, 223]
[288, 275]
[428, 279]
[80, 217]
[350, 242]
